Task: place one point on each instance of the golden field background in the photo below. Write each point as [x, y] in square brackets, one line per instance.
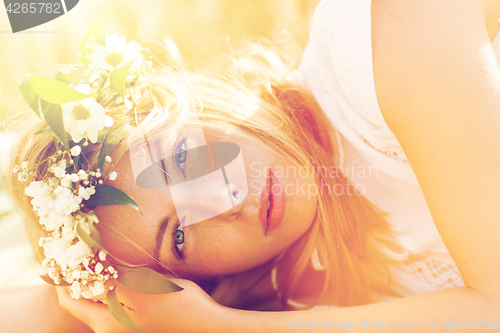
[200, 29]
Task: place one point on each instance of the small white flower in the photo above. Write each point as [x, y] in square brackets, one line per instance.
[45, 262]
[54, 275]
[76, 274]
[59, 170]
[16, 169]
[37, 190]
[102, 256]
[113, 175]
[25, 164]
[98, 174]
[76, 253]
[82, 192]
[76, 150]
[98, 288]
[108, 122]
[108, 159]
[82, 175]
[115, 54]
[76, 291]
[98, 268]
[22, 177]
[85, 275]
[56, 249]
[74, 178]
[66, 181]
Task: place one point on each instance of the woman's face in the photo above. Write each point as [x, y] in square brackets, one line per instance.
[233, 241]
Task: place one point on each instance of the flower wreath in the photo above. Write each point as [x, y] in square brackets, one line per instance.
[76, 115]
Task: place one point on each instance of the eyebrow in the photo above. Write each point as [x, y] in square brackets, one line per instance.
[159, 238]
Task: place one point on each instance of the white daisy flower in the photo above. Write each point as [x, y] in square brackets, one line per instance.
[115, 54]
[84, 118]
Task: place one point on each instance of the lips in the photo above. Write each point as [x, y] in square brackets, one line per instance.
[273, 196]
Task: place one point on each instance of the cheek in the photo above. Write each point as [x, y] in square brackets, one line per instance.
[224, 250]
[122, 236]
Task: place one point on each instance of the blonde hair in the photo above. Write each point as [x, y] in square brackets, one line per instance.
[251, 88]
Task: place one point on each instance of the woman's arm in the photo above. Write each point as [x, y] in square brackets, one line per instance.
[36, 309]
[438, 85]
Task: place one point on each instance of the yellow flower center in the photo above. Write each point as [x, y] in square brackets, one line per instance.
[114, 59]
[80, 112]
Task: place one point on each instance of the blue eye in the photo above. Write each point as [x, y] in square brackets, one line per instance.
[179, 237]
[180, 154]
[178, 241]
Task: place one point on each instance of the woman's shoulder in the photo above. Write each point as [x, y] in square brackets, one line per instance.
[338, 68]
[420, 42]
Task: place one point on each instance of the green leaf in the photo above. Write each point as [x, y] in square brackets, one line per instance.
[145, 280]
[66, 78]
[106, 195]
[98, 31]
[102, 134]
[29, 95]
[115, 135]
[52, 113]
[54, 91]
[120, 78]
[49, 280]
[46, 131]
[116, 309]
[87, 239]
[94, 234]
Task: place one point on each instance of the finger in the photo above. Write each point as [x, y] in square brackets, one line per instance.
[96, 315]
[136, 300]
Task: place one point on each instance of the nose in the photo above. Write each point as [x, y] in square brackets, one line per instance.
[206, 197]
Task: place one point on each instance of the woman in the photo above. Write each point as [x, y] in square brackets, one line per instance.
[427, 98]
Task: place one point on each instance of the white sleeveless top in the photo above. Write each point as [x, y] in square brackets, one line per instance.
[337, 67]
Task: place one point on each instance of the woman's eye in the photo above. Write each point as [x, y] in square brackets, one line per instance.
[180, 154]
[179, 238]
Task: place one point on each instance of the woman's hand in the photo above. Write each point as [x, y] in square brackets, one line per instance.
[189, 310]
